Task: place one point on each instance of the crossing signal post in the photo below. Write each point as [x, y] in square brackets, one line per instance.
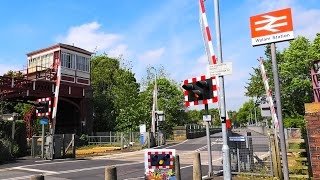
[202, 90]
[43, 107]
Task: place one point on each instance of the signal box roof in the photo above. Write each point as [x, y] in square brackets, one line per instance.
[60, 45]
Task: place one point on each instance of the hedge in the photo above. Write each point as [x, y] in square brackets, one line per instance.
[20, 136]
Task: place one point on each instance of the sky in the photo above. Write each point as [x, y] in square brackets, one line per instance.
[148, 33]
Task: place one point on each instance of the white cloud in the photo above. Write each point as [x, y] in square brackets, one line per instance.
[152, 56]
[200, 67]
[89, 36]
[119, 50]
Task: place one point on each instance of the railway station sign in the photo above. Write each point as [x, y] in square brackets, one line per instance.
[275, 26]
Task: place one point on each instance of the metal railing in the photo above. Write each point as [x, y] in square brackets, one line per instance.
[251, 155]
[114, 138]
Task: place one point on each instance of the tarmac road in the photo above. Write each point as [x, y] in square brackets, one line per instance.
[130, 165]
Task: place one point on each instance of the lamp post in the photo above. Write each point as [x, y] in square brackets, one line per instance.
[153, 124]
[14, 115]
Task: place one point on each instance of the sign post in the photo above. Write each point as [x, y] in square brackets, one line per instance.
[223, 113]
[269, 28]
[43, 122]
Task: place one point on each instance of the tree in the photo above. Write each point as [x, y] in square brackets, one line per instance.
[115, 92]
[170, 100]
[294, 66]
[193, 116]
[126, 103]
[246, 114]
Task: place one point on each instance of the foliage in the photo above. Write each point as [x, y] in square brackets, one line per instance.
[5, 153]
[20, 135]
[196, 116]
[151, 72]
[83, 140]
[246, 113]
[126, 101]
[170, 100]
[294, 66]
[296, 121]
[232, 117]
[115, 92]
[15, 74]
[22, 109]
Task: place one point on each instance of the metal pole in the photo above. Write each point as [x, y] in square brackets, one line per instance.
[42, 142]
[153, 128]
[255, 115]
[13, 128]
[158, 140]
[279, 111]
[156, 106]
[225, 146]
[208, 142]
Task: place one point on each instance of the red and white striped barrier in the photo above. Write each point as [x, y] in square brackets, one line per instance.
[269, 96]
[205, 101]
[56, 97]
[49, 106]
[206, 33]
[204, 26]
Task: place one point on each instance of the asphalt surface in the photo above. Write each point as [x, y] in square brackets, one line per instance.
[130, 165]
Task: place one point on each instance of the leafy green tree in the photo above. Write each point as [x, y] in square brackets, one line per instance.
[115, 92]
[245, 114]
[294, 66]
[126, 103]
[214, 112]
[232, 117]
[194, 116]
[170, 100]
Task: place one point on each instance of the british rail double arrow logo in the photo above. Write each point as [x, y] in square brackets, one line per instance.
[273, 26]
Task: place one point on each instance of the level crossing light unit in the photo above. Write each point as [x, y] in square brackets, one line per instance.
[199, 90]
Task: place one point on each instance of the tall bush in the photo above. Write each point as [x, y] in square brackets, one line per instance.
[20, 136]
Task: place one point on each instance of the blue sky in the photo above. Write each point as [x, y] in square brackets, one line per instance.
[155, 33]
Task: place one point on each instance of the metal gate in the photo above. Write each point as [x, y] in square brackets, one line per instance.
[64, 146]
[250, 155]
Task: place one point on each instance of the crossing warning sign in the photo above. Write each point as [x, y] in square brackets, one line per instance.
[271, 27]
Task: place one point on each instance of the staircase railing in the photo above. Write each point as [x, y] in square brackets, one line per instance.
[28, 117]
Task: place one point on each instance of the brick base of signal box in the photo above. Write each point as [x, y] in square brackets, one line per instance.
[312, 116]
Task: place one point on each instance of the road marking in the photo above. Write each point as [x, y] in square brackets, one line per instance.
[177, 144]
[34, 170]
[48, 173]
[41, 164]
[204, 147]
[18, 178]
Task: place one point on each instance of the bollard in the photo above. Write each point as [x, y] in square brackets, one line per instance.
[197, 167]
[111, 173]
[37, 177]
[177, 168]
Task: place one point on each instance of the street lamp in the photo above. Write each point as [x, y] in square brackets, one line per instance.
[13, 118]
[153, 128]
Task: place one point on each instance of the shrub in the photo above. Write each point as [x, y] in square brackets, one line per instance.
[5, 146]
[83, 140]
[20, 136]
